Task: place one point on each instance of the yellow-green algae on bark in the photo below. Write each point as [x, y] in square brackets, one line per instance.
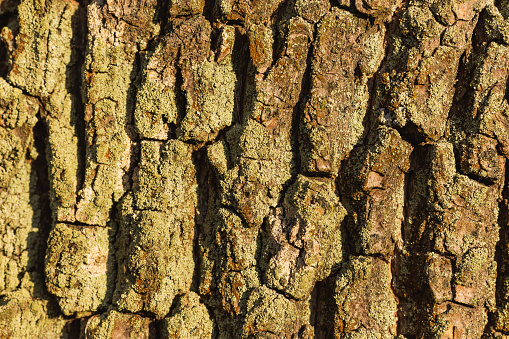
[86, 271]
[26, 310]
[190, 320]
[112, 45]
[157, 230]
[210, 101]
[42, 66]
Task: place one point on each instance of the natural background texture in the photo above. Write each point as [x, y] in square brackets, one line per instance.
[254, 169]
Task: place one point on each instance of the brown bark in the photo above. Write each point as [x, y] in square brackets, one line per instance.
[254, 169]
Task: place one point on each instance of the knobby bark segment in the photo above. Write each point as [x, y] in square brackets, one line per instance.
[254, 169]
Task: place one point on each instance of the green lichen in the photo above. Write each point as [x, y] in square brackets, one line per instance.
[364, 299]
[157, 230]
[190, 320]
[210, 103]
[229, 261]
[489, 110]
[270, 218]
[239, 244]
[19, 215]
[155, 100]
[108, 71]
[113, 324]
[40, 25]
[26, 309]
[472, 266]
[496, 23]
[110, 59]
[186, 7]
[83, 280]
[19, 204]
[234, 288]
[263, 168]
[219, 157]
[362, 333]
[417, 90]
[261, 147]
[17, 119]
[46, 34]
[312, 10]
[23, 317]
[166, 178]
[155, 108]
[157, 264]
[270, 312]
[17, 109]
[438, 328]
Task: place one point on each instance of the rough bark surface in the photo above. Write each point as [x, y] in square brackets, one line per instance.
[254, 169]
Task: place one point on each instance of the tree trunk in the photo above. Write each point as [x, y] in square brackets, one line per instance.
[254, 169]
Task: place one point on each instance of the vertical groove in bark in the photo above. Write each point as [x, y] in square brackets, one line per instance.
[75, 84]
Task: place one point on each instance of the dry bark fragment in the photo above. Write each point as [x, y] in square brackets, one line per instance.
[113, 324]
[346, 54]
[366, 306]
[304, 238]
[374, 179]
[460, 222]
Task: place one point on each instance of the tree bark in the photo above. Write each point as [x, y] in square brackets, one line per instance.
[254, 169]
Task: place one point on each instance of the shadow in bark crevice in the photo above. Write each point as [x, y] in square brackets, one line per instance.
[74, 86]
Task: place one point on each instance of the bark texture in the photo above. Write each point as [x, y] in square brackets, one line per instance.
[254, 169]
